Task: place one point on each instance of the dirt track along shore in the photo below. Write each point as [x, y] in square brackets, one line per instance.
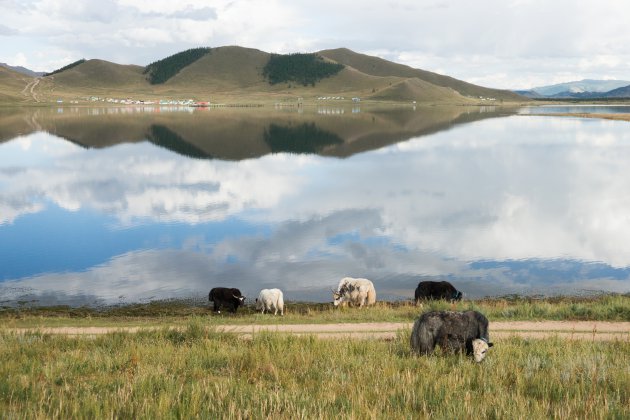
[576, 330]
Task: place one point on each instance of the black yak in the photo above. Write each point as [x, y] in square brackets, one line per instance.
[453, 332]
[428, 290]
[223, 296]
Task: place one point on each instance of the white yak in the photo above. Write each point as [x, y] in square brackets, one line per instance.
[269, 299]
[357, 292]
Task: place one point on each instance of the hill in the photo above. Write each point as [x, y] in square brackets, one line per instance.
[622, 92]
[237, 74]
[100, 74]
[580, 86]
[583, 89]
[12, 84]
[379, 67]
[224, 69]
[23, 70]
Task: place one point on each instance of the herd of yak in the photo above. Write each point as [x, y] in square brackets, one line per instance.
[452, 331]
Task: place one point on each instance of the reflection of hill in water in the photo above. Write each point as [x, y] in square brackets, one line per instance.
[304, 138]
[241, 134]
[163, 137]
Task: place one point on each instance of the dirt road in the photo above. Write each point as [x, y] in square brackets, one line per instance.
[575, 330]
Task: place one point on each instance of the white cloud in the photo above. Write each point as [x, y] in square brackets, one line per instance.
[497, 43]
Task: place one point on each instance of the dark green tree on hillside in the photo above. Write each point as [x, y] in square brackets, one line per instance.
[68, 67]
[160, 71]
[306, 69]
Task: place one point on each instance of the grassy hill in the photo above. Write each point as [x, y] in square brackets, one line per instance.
[11, 85]
[412, 89]
[101, 74]
[237, 74]
[226, 69]
[379, 67]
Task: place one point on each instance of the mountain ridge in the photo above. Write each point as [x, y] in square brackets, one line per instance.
[581, 89]
[237, 74]
[23, 70]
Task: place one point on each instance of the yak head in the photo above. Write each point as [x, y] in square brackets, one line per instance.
[480, 348]
[338, 296]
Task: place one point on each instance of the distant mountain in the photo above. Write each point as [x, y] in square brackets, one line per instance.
[622, 92]
[23, 70]
[244, 74]
[583, 89]
[586, 85]
[529, 93]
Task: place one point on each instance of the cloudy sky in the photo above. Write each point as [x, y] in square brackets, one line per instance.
[496, 43]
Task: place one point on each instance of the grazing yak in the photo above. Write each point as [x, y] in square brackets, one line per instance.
[223, 296]
[269, 299]
[357, 292]
[453, 332]
[428, 290]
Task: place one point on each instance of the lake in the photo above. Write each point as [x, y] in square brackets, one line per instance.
[576, 109]
[118, 205]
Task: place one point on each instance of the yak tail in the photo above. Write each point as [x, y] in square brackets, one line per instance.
[371, 296]
[422, 339]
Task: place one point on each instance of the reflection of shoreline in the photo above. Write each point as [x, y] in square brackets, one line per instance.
[238, 135]
[617, 117]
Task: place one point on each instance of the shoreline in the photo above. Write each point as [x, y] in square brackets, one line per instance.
[616, 117]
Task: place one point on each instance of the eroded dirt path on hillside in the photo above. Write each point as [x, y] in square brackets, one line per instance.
[576, 330]
[29, 89]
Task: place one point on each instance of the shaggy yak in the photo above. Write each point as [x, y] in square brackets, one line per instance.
[269, 299]
[356, 292]
[436, 290]
[453, 332]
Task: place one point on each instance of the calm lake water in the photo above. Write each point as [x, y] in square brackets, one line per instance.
[118, 205]
[577, 109]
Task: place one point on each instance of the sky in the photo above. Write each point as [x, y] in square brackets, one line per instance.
[510, 44]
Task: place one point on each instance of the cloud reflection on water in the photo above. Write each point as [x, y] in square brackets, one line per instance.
[518, 193]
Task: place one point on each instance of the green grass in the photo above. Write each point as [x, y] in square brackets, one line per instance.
[200, 373]
[514, 308]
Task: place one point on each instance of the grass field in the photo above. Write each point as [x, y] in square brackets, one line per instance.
[599, 308]
[201, 373]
